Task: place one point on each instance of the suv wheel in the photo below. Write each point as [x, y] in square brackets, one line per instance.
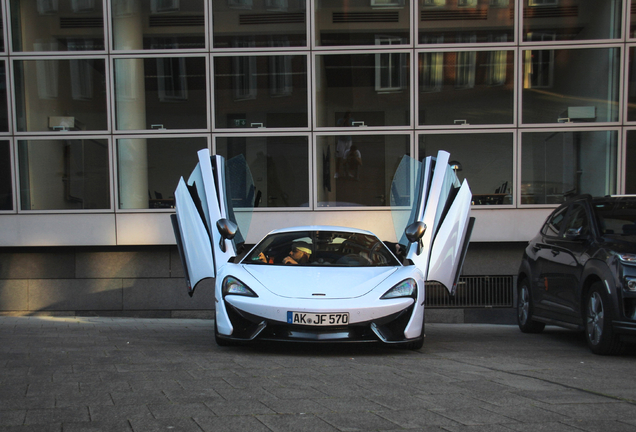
[598, 323]
[525, 310]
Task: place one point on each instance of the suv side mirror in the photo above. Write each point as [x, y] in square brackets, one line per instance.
[574, 233]
[228, 230]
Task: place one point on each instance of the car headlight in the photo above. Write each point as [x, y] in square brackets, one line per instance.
[406, 288]
[627, 258]
[233, 286]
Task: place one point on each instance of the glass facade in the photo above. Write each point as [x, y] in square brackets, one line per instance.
[104, 103]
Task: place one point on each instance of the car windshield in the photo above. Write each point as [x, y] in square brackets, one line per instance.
[326, 248]
[616, 217]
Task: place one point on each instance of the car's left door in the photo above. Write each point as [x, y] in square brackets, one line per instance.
[203, 209]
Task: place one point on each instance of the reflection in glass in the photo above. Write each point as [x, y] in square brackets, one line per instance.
[546, 20]
[575, 85]
[357, 170]
[261, 91]
[485, 159]
[279, 167]
[4, 106]
[362, 22]
[161, 93]
[630, 162]
[149, 169]
[468, 87]
[371, 89]
[57, 25]
[558, 165]
[466, 21]
[65, 94]
[6, 184]
[64, 174]
[631, 86]
[158, 24]
[259, 23]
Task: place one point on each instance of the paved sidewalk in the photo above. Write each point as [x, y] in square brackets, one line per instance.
[122, 374]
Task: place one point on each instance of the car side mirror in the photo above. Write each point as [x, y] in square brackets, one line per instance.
[414, 233]
[574, 233]
[227, 229]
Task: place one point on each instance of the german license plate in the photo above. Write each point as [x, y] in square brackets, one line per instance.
[317, 319]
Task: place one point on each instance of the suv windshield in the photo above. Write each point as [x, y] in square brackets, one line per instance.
[616, 217]
[326, 248]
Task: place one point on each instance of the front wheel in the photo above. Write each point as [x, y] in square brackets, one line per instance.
[598, 323]
[525, 310]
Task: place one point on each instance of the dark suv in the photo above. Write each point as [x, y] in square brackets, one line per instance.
[579, 272]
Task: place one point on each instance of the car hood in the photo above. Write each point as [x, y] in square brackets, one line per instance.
[319, 282]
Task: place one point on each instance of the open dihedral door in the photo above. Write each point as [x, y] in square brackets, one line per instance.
[430, 192]
[200, 203]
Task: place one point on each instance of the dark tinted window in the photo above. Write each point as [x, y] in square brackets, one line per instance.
[616, 217]
[554, 223]
[577, 221]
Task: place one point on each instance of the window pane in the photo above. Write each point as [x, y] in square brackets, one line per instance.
[64, 174]
[279, 167]
[579, 85]
[363, 89]
[485, 159]
[631, 91]
[550, 20]
[357, 170]
[161, 93]
[466, 21]
[630, 162]
[57, 25]
[60, 95]
[471, 87]
[259, 24]
[158, 24]
[260, 91]
[558, 165]
[4, 107]
[149, 169]
[6, 184]
[362, 22]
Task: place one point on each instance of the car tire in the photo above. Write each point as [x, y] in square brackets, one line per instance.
[525, 309]
[598, 323]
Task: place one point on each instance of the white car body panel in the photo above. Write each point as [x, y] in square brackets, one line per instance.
[355, 288]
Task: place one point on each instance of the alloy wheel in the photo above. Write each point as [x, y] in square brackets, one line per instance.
[595, 318]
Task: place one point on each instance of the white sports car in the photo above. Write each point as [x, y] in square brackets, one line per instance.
[323, 283]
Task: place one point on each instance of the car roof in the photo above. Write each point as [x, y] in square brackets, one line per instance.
[321, 228]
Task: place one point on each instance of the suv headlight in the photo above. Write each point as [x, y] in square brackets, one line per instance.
[233, 286]
[406, 288]
[627, 258]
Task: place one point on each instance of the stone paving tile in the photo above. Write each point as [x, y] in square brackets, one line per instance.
[12, 417]
[231, 424]
[349, 404]
[239, 407]
[601, 425]
[609, 411]
[172, 410]
[122, 426]
[295, 406]
[473, 415]
[84, 398]
[204, 395]
[294, 423]
[139, 397]
[116, 414]
[357, 421]
[538, 426]
[172, 425]
[53, 427]
[23, 402]
[414, 418]
[57, 415]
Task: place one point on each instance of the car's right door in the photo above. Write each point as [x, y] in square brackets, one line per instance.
[443, 205]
